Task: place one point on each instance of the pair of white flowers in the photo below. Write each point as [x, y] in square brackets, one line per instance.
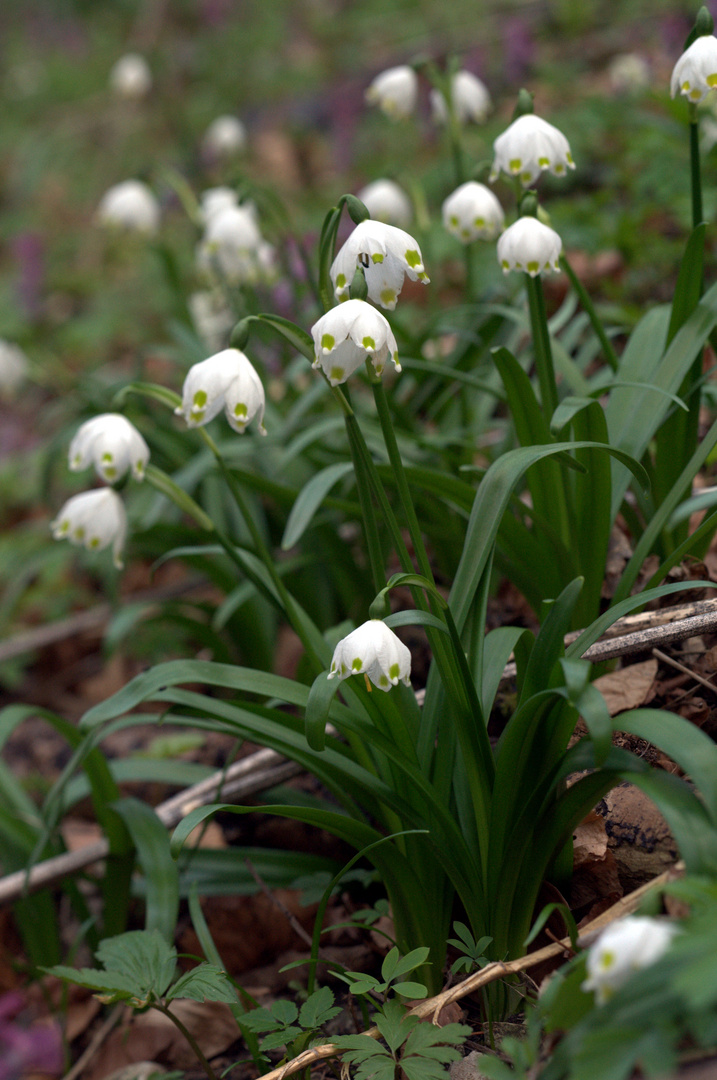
[232, 247]
[395, 92]
[97, 519]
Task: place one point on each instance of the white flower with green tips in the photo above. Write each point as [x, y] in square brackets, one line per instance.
[95, 520]
[395, 92]
[695, 73]
[529, 147]
[622, 949]
[226, 381]
[472, 212]
[231, 245]
[112, 444]
[530, 246]
[374, 650]
[469, 97]
[348, 335]
[387, 255]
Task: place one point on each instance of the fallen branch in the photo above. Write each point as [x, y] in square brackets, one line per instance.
[492, 972]
[243, 778]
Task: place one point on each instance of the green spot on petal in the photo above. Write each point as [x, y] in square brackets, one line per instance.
[544, 162]
[388, 297]
[107, 457]
[453, 220]
[340, 281]
[383, 681]
[94, 542]
[197, 415]
[515, 165]
[394, 671]
[377, 258]
[199, 399]
[413, 259]
[368, 343]
[327, 342]
[479, 222]
[79, 533]
[110, 472]
[533, 267]
[240, 411]
[711, 80]
[336, 375]
[356, 664]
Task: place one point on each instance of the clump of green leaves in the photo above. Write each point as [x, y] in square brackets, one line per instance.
[471, 950]
[285, 1025]
[416, 1050]
[140, 969]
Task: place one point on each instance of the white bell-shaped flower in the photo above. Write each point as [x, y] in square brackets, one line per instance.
[130, 77]
[14, 367]
[214, 200]
[387, 255]
[387, 202]
[472, 212]
[348, 335]
[95, 519]
[225, 137]
[226, 381]
[623, 948]
[470, 99]
[211, 317]
[231, 244]
[395, 92]
[695, 73]
[112, 444]
[530, 246]
[529, 147]
[130, 206]
[375, 650]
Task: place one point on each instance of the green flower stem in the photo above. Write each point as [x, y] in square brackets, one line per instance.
[262, 551]
[394, 457]
[189, 1037]
[541, 345]
[695, 170]
[589, 308]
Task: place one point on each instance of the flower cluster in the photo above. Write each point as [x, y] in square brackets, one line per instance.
[529, 147]
[530, 246]
[473, 212]
[232, 247]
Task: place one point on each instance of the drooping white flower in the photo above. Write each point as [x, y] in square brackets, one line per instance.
[628, 73]
[225, 137]
[130, 77]
[226, 381]
[387, 202]
[211, 317]
[375, 650]
[348, 335]
[530, 246]
[394, 91]
[623, 948]
[472, 212]
[695, 73]
[14, 367]
[130, 206]
[214, 200]
[230, 245]
[112, 444]
[530, 146]
[469, 96]
[386, 253]
[95, 519]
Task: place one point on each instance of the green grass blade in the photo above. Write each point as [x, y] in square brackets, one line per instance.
[151, 841]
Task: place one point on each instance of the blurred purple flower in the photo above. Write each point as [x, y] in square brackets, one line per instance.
[35, 1048]
[28, 250]
[518, 48]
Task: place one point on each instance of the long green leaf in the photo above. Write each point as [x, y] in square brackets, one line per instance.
[150, 839]
[310, 499]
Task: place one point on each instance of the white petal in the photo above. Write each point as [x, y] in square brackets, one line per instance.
[94, 519]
